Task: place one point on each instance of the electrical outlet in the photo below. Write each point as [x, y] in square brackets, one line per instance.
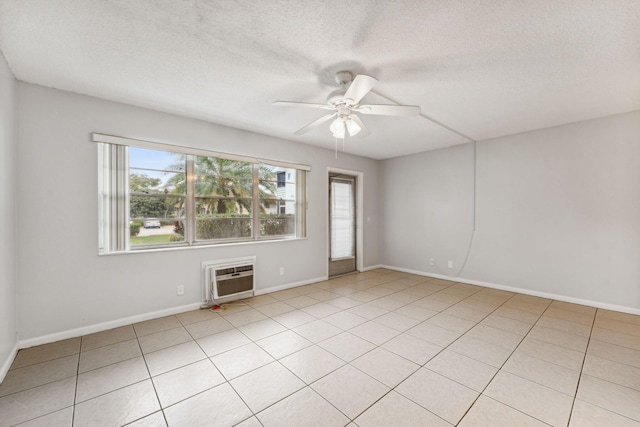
[180, 289]
[450, 264]
[282, 271]
[432, 261]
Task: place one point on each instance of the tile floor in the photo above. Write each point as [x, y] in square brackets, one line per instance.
[381, 348]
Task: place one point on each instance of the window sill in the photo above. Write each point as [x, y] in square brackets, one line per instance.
[200, 246]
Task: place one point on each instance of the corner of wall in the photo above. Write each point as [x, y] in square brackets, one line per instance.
[8, 215]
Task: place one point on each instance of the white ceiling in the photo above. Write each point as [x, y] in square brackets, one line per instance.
[484, 68]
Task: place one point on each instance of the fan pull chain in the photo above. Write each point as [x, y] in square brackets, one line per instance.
[336, 152]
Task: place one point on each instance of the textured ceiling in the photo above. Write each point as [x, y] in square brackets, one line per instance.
[484, 68]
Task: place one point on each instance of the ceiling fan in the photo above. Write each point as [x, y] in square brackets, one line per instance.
[345, 103]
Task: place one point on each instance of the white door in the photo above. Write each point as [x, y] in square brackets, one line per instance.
[342, 224]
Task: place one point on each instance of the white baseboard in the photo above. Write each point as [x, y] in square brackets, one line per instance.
[419, 273]
[288, 286]
[99, 327]
[371, 267]
[558, 297]
[8, 362]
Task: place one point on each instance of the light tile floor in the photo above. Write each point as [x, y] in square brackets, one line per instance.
[381, 348]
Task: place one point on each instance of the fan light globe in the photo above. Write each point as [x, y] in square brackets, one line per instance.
[352, 127]
[342, 125]
[337, 128]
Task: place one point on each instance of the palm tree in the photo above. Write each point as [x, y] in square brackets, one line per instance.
[226, 186]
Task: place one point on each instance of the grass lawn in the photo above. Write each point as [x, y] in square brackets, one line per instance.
[150, 240]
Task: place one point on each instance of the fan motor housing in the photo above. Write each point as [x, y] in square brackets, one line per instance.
[336, 97]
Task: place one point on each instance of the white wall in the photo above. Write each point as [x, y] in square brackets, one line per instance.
[8, 216]
[426, 209]
[65, 285]
[558, 211]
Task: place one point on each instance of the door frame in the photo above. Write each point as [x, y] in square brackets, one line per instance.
[359, 215]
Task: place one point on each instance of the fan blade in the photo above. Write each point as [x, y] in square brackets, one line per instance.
[363, 129]
[389, 110]
[314, 124]
[360, 86]
[302, 104]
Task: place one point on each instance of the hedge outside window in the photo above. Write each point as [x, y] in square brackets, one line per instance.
[153, 198]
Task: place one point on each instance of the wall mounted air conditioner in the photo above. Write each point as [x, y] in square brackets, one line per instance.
[229, 279]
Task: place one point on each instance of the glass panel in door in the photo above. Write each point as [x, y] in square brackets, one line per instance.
[342, 223]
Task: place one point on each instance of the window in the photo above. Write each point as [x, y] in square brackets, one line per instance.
[157, 195]
[223, 199]
[155, 198]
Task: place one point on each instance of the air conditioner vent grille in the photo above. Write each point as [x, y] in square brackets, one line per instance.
[228, 280]
[223, 271]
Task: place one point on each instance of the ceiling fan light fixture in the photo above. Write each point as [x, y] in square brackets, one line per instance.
[337, 128]
[352, 127]
[345, 101]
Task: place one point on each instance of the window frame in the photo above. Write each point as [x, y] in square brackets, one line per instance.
[117, 229]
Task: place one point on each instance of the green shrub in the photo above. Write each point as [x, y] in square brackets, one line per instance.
[230, 226]
[277, 225]
[134, 229]
[224, 226]
[176, 238]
